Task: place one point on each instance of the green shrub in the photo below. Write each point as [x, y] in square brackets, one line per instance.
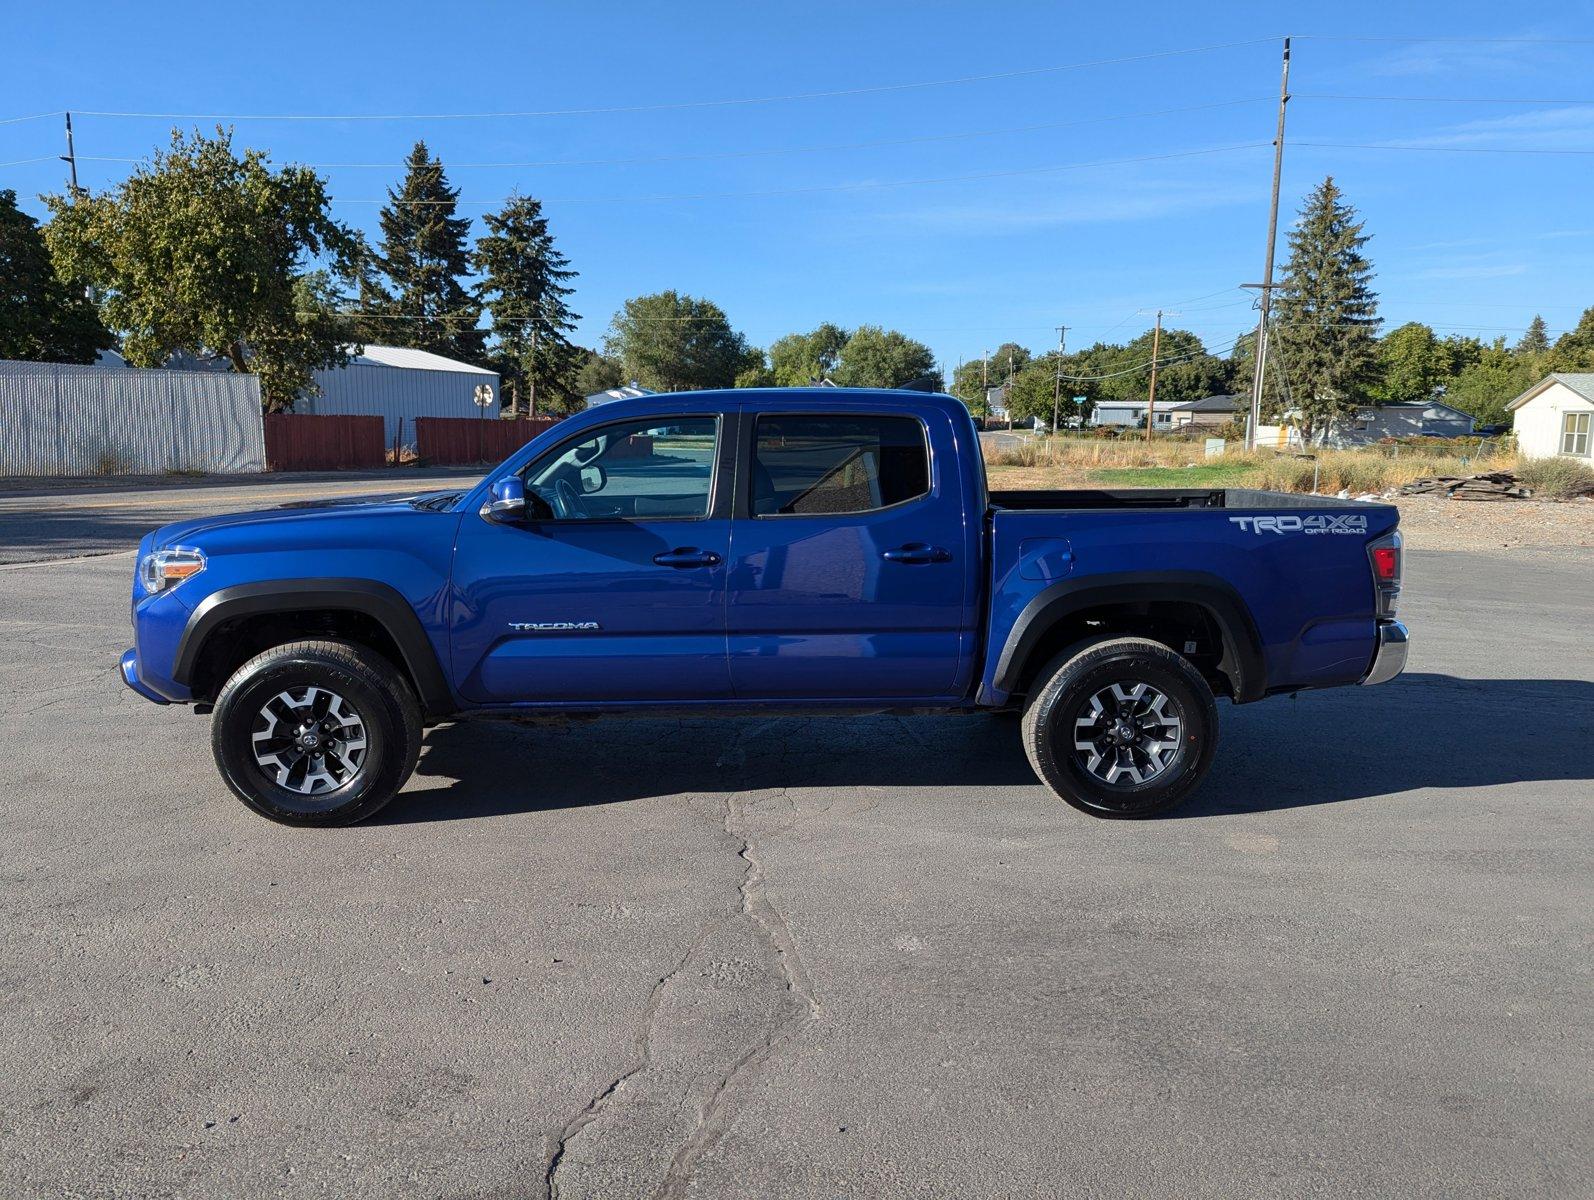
[1557, 478]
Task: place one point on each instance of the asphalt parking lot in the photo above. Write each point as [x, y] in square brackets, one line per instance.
[799, 957]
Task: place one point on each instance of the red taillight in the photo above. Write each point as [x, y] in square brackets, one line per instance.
[1383, 556]
[1386, 563]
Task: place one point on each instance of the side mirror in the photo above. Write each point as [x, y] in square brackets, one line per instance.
[593, 479]
[506, 503]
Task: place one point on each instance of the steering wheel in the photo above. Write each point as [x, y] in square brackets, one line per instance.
[567, 501]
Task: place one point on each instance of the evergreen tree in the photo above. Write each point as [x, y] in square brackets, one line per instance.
[1536, 341]
[42, 317]
[1574, 349]
[524, 287]
[1323, 355]
[597, 373]
[413, 288]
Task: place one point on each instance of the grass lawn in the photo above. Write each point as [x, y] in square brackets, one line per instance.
[1236, 474]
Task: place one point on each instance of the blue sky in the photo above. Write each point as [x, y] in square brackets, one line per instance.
[792, 211]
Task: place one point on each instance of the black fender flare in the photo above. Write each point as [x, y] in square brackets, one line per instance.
[1241, 662]
[380, 601]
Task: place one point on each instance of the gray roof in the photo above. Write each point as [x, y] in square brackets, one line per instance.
[1580, 382]
[1209, 404]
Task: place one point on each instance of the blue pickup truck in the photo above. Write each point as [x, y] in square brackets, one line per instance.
[814, 550]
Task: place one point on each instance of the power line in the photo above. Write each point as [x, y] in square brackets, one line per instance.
[673, 105]
[762, 153]
[1434, 149]
[1439, 99]
[829, 187]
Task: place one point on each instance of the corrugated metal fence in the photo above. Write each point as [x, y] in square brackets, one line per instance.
[71, 420]
[458, 441]
[298, 442]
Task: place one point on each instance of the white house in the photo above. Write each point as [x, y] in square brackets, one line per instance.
[626, 391]
[1555, 416]
[1129, 414]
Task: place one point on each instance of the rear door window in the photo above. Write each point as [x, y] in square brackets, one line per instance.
[829, 465]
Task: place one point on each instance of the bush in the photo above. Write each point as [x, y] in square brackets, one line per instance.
[1557, 478]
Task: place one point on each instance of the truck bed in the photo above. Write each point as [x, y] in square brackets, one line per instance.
[1296, 566]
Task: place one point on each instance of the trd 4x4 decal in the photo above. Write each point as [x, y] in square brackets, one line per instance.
[1353, 523]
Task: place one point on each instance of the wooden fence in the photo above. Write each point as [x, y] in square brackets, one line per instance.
[300, 442]
[465, 441]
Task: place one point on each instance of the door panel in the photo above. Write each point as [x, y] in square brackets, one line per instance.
[620, 597]
[844, 605]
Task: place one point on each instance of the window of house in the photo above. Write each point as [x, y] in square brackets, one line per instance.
[635, 470]
[809, 465]
[1575, 433]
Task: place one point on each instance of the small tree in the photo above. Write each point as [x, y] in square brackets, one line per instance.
[525, 288]
[43, 318]
[1323, 357]
[1535, 342]
[883, 358]
[668, 341]
[1034, 391]
[209, 253]
[414, 286]
[597, 373]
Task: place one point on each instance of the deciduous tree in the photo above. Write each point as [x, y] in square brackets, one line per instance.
[883, 358]
[799, 359]
[668, 341]
[211, 253]
[43, 318]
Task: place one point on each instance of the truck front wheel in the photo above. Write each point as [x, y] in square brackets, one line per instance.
[1122, 727]
[316, 733]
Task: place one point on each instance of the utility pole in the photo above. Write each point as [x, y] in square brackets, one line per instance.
[1009, 396]
[1057, 383]
[531, 375]
[1151, 394]
[1267, 269]
[70, 157]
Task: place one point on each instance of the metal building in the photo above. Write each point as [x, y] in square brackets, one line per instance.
[59, 419]
[398, 385]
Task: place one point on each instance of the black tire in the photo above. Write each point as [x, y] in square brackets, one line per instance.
[371, 703]
[1135, 745]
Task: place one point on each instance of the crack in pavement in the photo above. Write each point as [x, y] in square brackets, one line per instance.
[642, 1044]
[802, 1006]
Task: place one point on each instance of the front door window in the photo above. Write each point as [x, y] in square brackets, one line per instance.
[653, 469]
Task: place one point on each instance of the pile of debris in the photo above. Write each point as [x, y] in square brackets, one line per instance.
[1491, 485]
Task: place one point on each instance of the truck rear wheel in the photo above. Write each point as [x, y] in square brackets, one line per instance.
[316, 733]
[1122, 727]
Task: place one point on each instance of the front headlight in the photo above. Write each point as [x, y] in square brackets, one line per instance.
[168, 568]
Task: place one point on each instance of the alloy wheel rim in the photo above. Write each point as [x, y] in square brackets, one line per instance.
[1128, 733]
[309, 740]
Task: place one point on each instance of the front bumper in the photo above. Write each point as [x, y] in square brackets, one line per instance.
[1389, 659]
[130, 677]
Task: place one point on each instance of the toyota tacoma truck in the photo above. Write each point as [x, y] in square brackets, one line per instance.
[802, 550]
